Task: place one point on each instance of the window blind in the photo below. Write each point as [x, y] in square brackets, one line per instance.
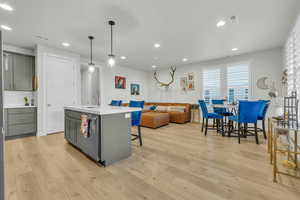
[211, 84]
[231, 82]
[292, 62]
[237, 82]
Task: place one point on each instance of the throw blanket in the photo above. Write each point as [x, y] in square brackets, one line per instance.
[84, 127]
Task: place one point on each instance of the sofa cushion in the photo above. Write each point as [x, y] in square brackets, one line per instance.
[176, 108]
[147, 107]
[153, 107]
[162, 108]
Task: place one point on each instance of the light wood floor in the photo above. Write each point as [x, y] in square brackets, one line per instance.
[176, 162]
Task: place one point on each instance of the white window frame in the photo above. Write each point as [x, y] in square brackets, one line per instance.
[223, 77]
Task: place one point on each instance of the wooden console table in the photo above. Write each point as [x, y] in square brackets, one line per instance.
[283, 145]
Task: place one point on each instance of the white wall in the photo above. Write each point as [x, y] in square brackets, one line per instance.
[263, 63]
[108, 90]
[16, 98]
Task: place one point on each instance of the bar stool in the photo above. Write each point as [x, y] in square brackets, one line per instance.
[221, 111]
[262, 116]
[116, 103]
[136, 119]
[247, 114]
[206, 116]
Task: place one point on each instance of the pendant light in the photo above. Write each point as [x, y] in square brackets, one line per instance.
[111, 57]
[91, 64]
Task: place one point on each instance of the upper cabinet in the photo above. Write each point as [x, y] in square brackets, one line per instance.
[18, 72]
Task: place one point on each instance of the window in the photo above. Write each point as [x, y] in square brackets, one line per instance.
[292, 55]
[292, 61]
[237, 82]
[231, 82]
[211, 84]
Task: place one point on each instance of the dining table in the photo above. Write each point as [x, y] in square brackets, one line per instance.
[232, 108]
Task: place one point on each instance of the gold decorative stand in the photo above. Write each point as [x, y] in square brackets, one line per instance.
[195, 115]
[283, 146]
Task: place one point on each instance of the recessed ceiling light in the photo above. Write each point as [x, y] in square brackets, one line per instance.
[5, 6]
[234, 49]
[123, 57]
[184, 59]
[156, 45]
[65, 44]
[7, 28]
[153, 66]
[221, 23]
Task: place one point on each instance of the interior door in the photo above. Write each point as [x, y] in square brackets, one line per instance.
[1, 127]
[60, 91]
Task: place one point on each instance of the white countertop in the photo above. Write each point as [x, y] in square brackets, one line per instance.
[102, 110]
[18, 106]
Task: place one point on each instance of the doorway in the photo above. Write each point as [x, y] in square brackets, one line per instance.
[90, 85]
[60, 91]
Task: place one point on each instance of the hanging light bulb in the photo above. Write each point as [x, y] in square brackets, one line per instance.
[91, 64]
[91, 68]
[111, 61]
[111, 57]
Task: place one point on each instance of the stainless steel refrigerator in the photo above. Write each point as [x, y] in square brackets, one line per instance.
[1, 126]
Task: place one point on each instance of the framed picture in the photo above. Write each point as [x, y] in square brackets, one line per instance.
[183, 83]
[191, 76]
[120, 82]
[134, 89]
[191, 80]
[191, 85]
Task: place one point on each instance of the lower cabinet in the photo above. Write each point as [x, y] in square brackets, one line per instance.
[20, 122]
[88, 145]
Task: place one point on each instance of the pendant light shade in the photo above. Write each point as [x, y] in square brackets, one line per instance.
[111, 57]
[91, 64]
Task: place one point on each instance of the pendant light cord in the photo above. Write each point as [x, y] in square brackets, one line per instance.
[111, 39]
[91, 51]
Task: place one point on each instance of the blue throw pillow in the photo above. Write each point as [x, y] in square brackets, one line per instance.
[152, 107]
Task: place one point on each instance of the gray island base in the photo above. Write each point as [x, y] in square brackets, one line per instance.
[109, 132]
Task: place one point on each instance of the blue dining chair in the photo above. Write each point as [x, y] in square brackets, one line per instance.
[206, 116]
[116, 103]
[248, 112]
[218, 102]
[221, 111]
[262, 115]
[136, 119]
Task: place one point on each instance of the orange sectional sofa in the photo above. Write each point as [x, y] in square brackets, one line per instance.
[178, 112]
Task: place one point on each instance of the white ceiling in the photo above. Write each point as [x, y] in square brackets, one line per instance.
[183, 28]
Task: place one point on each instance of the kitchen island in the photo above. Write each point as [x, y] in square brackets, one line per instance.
[108, 131]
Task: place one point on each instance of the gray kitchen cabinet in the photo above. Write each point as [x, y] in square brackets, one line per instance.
[109, 138]
[20, 122]
[8, 71]
[72, 133]
[23, 72]
[18, 72]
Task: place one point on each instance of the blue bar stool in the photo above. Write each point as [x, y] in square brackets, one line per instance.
[116, 103]
[221, 111]
[248, 113]
[206, 116]
[262, 115]
[136, 119]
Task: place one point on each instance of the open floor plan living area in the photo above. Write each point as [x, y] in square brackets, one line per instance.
[149, 100]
